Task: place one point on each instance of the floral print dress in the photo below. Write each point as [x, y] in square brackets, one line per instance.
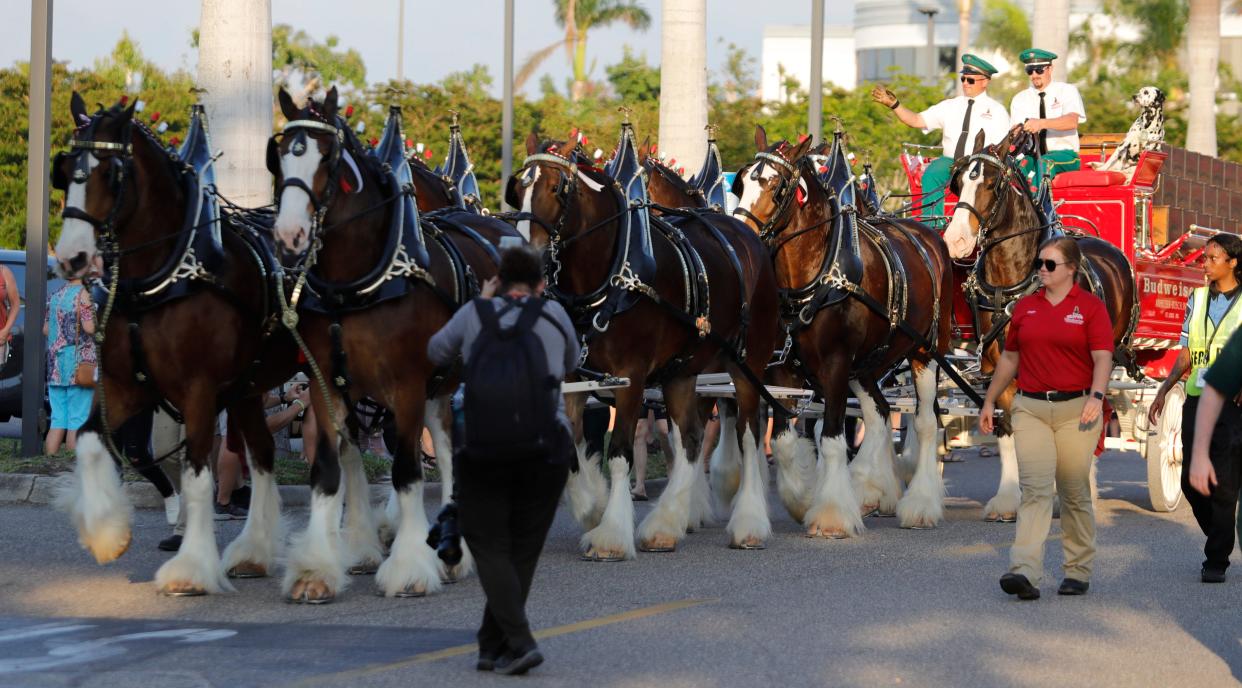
[67, 343]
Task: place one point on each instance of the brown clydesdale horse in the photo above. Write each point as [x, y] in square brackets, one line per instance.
[370, 340]
[198, 342]
[666, 187]
[829, 264]
[596, 261]
[996, 213]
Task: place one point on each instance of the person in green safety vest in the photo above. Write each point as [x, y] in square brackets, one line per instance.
[1213, 314]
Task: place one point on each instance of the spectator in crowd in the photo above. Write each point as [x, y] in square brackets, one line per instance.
[10, 304]
[229, 463]
[1060, 345]
[652, 426]
[69, 326]
[506, 504]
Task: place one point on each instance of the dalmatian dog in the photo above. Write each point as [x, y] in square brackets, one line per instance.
[1147, 132]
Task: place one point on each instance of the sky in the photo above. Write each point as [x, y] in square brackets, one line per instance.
[441, 36]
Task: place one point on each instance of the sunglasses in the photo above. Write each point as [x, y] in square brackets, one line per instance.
[1047, 264]
[1036, 70]
[972, 79]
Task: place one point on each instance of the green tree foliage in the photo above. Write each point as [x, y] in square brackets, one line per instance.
[305, 64]
[633, 79]
[1004, 28]
[578, 18]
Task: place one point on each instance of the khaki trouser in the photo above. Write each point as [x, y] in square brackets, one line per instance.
[1053, 447]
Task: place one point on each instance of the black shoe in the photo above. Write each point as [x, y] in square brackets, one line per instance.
[171, 543]
[225, 512]
[1212, 575]
[485, 662]
[1020, 585]
[509, 665]
[1073, 586]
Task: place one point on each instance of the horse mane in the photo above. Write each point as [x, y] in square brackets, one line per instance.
[670, 175]
[176, 167]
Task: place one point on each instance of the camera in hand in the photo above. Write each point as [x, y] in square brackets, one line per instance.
[445, 535]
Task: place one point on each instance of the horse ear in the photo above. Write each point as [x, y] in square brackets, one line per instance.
[979, 141]
[801, 149]
[643, 149]
[761, 138]
[77, 108]
[532, 143]
[287, 107]
[329, 104]
[128, 113]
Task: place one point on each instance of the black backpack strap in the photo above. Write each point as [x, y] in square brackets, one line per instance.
[531, 310]
[569, 337]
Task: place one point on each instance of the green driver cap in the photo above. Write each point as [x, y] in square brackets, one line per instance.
[973, 64]
[1036, 57]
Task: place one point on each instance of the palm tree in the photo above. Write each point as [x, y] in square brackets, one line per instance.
[1203, 53]
[578, 17]
[1050, 28]
[235, 68]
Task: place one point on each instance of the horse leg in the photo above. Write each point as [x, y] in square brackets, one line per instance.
[315, 571]
[795, 467]
[613, 538]
[834, 510]
[726, 461]
[92, 496]
[701, 513]
[363, 550]
[1004, 506]
[412, 568]
[586, 490]
[253, 553]
[439, 420]
[749, 526]
[923, 504]
[875, 481]
[666, 524]
[196, 569]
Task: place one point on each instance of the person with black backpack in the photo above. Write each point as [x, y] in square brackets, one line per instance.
[515, 446]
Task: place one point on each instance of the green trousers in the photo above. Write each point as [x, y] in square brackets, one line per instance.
[935, 179]
[1051, 164]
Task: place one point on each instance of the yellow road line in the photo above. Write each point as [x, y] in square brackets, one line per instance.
[460, 650]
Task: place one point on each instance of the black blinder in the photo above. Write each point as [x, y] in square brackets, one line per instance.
[511, 193]
[59, 180]
[736, 188]
[273, 157]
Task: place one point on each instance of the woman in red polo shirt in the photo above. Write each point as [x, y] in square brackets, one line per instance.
[1060, 345]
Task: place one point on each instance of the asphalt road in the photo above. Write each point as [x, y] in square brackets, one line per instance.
[893, 607]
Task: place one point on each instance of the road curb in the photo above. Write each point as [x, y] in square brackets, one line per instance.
[38, 490]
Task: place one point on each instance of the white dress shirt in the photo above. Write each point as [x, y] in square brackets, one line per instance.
[1060, 99]
[987, 115]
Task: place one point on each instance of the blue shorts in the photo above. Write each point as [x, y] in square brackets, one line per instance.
[71, 405]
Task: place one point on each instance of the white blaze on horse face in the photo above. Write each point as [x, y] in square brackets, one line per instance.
[528, 195]
[77, 237]
[293, 220]
[752, 189]
[960, 235]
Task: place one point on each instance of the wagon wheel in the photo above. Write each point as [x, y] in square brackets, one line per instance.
[1164, 453]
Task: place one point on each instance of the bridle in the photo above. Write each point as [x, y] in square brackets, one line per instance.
[300, 129]
[120, 169]
[566, 187]
[783, 196]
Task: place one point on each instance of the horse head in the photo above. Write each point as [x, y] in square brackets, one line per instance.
[313, 156]
[983, 182]
[99, 175]
[768, 185]
[547, 186]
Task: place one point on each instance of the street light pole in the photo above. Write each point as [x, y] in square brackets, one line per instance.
[401, 40]
[506, 126]
[815, 116]
[37, 152]
[931, 10]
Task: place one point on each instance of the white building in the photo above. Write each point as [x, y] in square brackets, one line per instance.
[787, 52]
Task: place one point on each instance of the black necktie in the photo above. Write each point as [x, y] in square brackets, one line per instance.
[1043, 133]
[961, 140]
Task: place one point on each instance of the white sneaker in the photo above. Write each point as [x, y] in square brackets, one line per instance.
[172, 508]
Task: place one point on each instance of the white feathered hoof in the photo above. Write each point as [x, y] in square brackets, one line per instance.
[412, 568]
[451, 574]
[832, 523]
[94, 500]
[795, 473]
[613, 539]
[187, 575]
[701, 511]
[586, 491]
[920, 512]
[314, 574]
[1003, 508]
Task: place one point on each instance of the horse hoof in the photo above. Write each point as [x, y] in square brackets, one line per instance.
[826, 533]
[1001, 518]
[886, 514]
[870, 510]
[248, 569]
[921, 525]
[750, 543]
[182, 589]
[365, 568]
[311, 591]
[410, 591]
[110, 555]
[602, 556]
[658, 544]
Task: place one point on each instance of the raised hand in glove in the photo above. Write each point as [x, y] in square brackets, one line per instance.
[884, 97]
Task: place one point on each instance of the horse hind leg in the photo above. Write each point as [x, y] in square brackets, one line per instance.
[1003, 507]
[834, 511]
[749, 525]
[439, 421]
[726, 462]
[666, 524]
[586, 491]
[875, 481]
[795, 470]
[923, 504]
[613, 538]
[253, 553]
[412, 568]
[363, 550]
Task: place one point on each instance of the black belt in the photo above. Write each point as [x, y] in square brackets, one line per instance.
[1055, 396]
